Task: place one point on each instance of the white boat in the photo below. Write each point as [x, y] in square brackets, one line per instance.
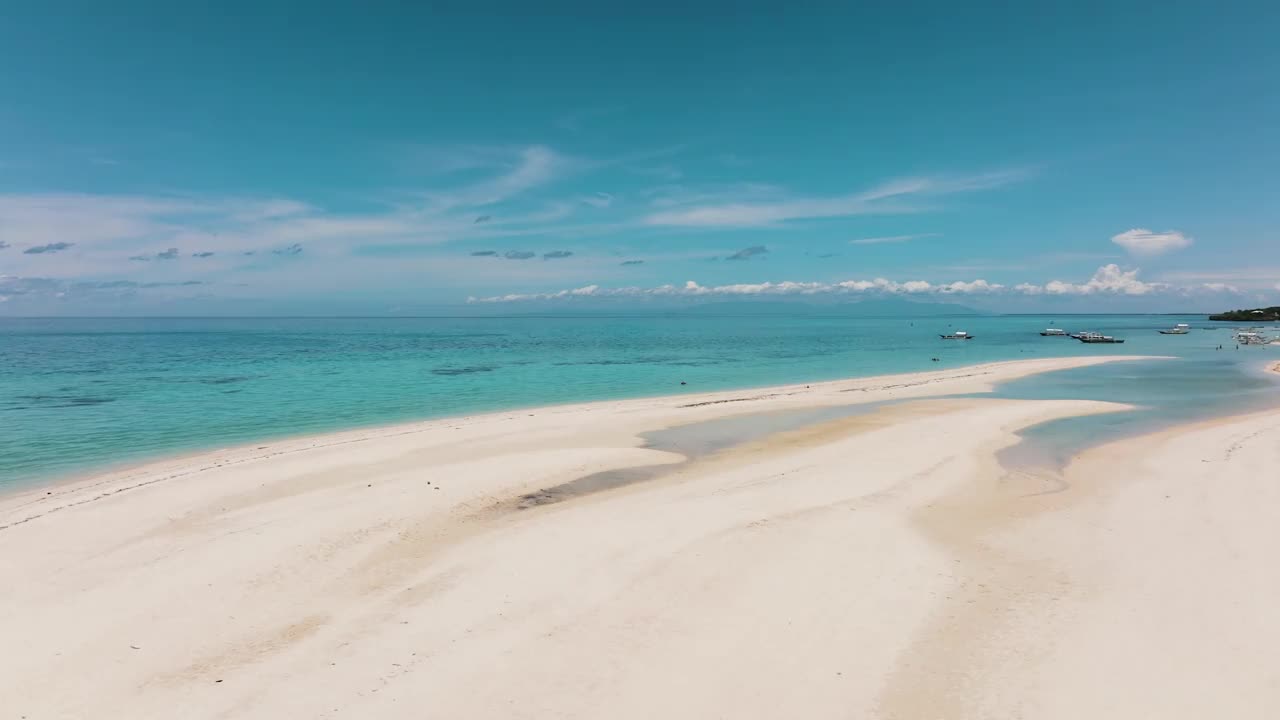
[957, 335]
[1093, 337]
[1053, 332]
[1179, 329]
[1251, 337]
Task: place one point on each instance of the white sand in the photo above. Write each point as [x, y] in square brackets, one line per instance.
[1150, 588]
[875, 566]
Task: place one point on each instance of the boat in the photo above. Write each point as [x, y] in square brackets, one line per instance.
[1093, 337]
[1251, 337]
[1179, 329]
[957, 335]
[1053, 332]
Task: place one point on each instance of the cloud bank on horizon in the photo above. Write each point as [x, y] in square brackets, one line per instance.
[139, 188]
[1109, 279]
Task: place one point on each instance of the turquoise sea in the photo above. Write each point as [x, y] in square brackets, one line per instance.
[81, 394]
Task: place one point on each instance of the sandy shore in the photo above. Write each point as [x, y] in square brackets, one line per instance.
[880, 565]
[1147, 587]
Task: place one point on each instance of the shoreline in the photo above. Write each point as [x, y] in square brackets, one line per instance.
[288, 443]
[378, 573]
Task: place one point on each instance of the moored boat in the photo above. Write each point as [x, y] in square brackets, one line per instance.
[1053, 332]
[1093, 337]
[1251, 337]
[1179, 329]
[957, 335]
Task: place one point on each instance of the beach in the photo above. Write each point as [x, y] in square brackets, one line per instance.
[875, 563]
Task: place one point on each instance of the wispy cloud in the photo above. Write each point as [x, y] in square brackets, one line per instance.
[680, 195]
[170, 254]
[447, 160]
[289, 250]
[1142, 242]
[258, 211]
[892, 239]
[51, 288]
[3, 245]
[875, 200]
[55, 247]
[599, 200]
[535, 166]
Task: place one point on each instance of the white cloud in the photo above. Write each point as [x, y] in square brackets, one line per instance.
[977, 286]
[787, 287]
[890, 239]
[749, 214]
[1143, 242]
[1108, 279]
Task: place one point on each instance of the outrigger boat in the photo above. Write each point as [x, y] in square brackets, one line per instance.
[1053, 332]
[1251, 337]
[957, 335]
[1093, 337]
[1179, 329]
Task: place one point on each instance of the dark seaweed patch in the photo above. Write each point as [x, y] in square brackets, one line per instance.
[464, 370]
[668, 361]
[86, 401]
[226, 380]
[66, 400]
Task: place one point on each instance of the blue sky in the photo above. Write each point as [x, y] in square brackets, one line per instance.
[263, 158]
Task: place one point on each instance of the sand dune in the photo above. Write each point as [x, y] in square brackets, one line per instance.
[876, 565]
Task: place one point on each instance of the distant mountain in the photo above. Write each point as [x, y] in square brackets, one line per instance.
[896, 307]
[879, 307]
[872, 307]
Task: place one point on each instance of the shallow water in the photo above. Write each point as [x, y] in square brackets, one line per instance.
[1185, 389]
[78, 394]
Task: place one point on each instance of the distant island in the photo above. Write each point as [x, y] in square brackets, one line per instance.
[1268, 314]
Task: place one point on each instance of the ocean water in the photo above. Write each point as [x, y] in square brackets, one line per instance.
[82, 394]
